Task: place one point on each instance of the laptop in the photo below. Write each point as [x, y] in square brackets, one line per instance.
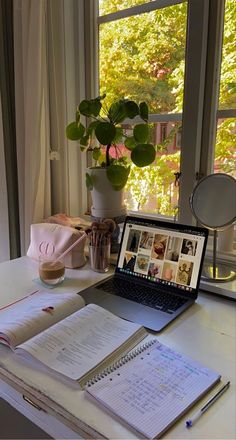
[157, 274]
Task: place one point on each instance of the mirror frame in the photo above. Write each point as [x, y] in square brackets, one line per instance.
[212, 228]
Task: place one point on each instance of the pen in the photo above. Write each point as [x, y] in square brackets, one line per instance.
[198, 414]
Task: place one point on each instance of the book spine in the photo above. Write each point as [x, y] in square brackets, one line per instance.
[122, 361]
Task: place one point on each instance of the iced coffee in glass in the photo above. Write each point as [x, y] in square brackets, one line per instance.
[51, 269]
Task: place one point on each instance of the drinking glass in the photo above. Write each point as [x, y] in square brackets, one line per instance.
[51, 269]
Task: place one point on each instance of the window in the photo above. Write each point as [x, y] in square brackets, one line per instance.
[166, 52]
[141, 56]
[225, 148]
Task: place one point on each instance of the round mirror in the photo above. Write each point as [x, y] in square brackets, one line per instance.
[213, 201]
[213, 204]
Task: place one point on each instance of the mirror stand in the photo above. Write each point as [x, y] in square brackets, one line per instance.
[213, 204]
[214, 271]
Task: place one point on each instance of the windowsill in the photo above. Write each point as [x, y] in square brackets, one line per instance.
[225, 289]
[225, 257]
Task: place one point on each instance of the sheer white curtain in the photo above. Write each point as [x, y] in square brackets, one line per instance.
[49, 80]
[4, 227]
[32, 118]
[66, 49]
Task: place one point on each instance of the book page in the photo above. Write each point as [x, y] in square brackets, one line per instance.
[152, 390]
[33, 314]
[81, 341]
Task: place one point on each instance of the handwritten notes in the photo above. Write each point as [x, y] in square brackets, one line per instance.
[152, 390]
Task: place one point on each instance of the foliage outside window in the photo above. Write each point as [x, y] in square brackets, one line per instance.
[225, 148]
[142, 57]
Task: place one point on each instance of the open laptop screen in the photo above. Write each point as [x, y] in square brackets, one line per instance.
[169, 254]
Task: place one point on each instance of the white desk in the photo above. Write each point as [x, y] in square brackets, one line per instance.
[206, 331]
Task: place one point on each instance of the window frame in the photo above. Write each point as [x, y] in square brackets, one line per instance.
[202, 79]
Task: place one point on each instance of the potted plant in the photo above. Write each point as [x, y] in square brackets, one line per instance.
[113, 149]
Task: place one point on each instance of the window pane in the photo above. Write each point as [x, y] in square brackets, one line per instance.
[108, 6]
[142, 57]
[225, 149]
[228, 66]
[155, 189]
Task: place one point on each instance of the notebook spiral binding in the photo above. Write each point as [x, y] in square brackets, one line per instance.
[120, 362]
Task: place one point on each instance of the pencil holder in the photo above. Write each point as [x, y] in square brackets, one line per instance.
[99, 257]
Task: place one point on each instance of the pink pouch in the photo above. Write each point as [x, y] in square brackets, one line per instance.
[50, 238]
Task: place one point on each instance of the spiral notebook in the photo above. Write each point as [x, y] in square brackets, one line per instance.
[151, 388]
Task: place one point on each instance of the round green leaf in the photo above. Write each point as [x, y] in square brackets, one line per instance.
[74, 131]
[95, 107]
[85, 108]
[100, 97]
[117, 175]
[130, 143]
[143, 155]
[84, 140]
[143, 111]
[119, 135]
[105, 132]
[89, 182]
[81, 129]
[141, 132]
[132, 109]
[117, 112]
[90, 107]
[92, 127]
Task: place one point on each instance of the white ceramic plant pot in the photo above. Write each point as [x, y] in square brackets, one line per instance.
[106, 201]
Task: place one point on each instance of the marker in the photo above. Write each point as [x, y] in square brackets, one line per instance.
[199, 413]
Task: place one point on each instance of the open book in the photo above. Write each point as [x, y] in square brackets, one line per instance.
[60, 332]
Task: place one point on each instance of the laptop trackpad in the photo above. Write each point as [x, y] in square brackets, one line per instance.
[152, 319]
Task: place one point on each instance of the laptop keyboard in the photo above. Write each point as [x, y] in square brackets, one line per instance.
[164, 301]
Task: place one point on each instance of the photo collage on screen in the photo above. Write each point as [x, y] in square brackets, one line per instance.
[156, 256]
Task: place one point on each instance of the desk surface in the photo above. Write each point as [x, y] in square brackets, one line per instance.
[206, 332]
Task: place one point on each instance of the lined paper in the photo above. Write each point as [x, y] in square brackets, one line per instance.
[81, 341]
[152, 390]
